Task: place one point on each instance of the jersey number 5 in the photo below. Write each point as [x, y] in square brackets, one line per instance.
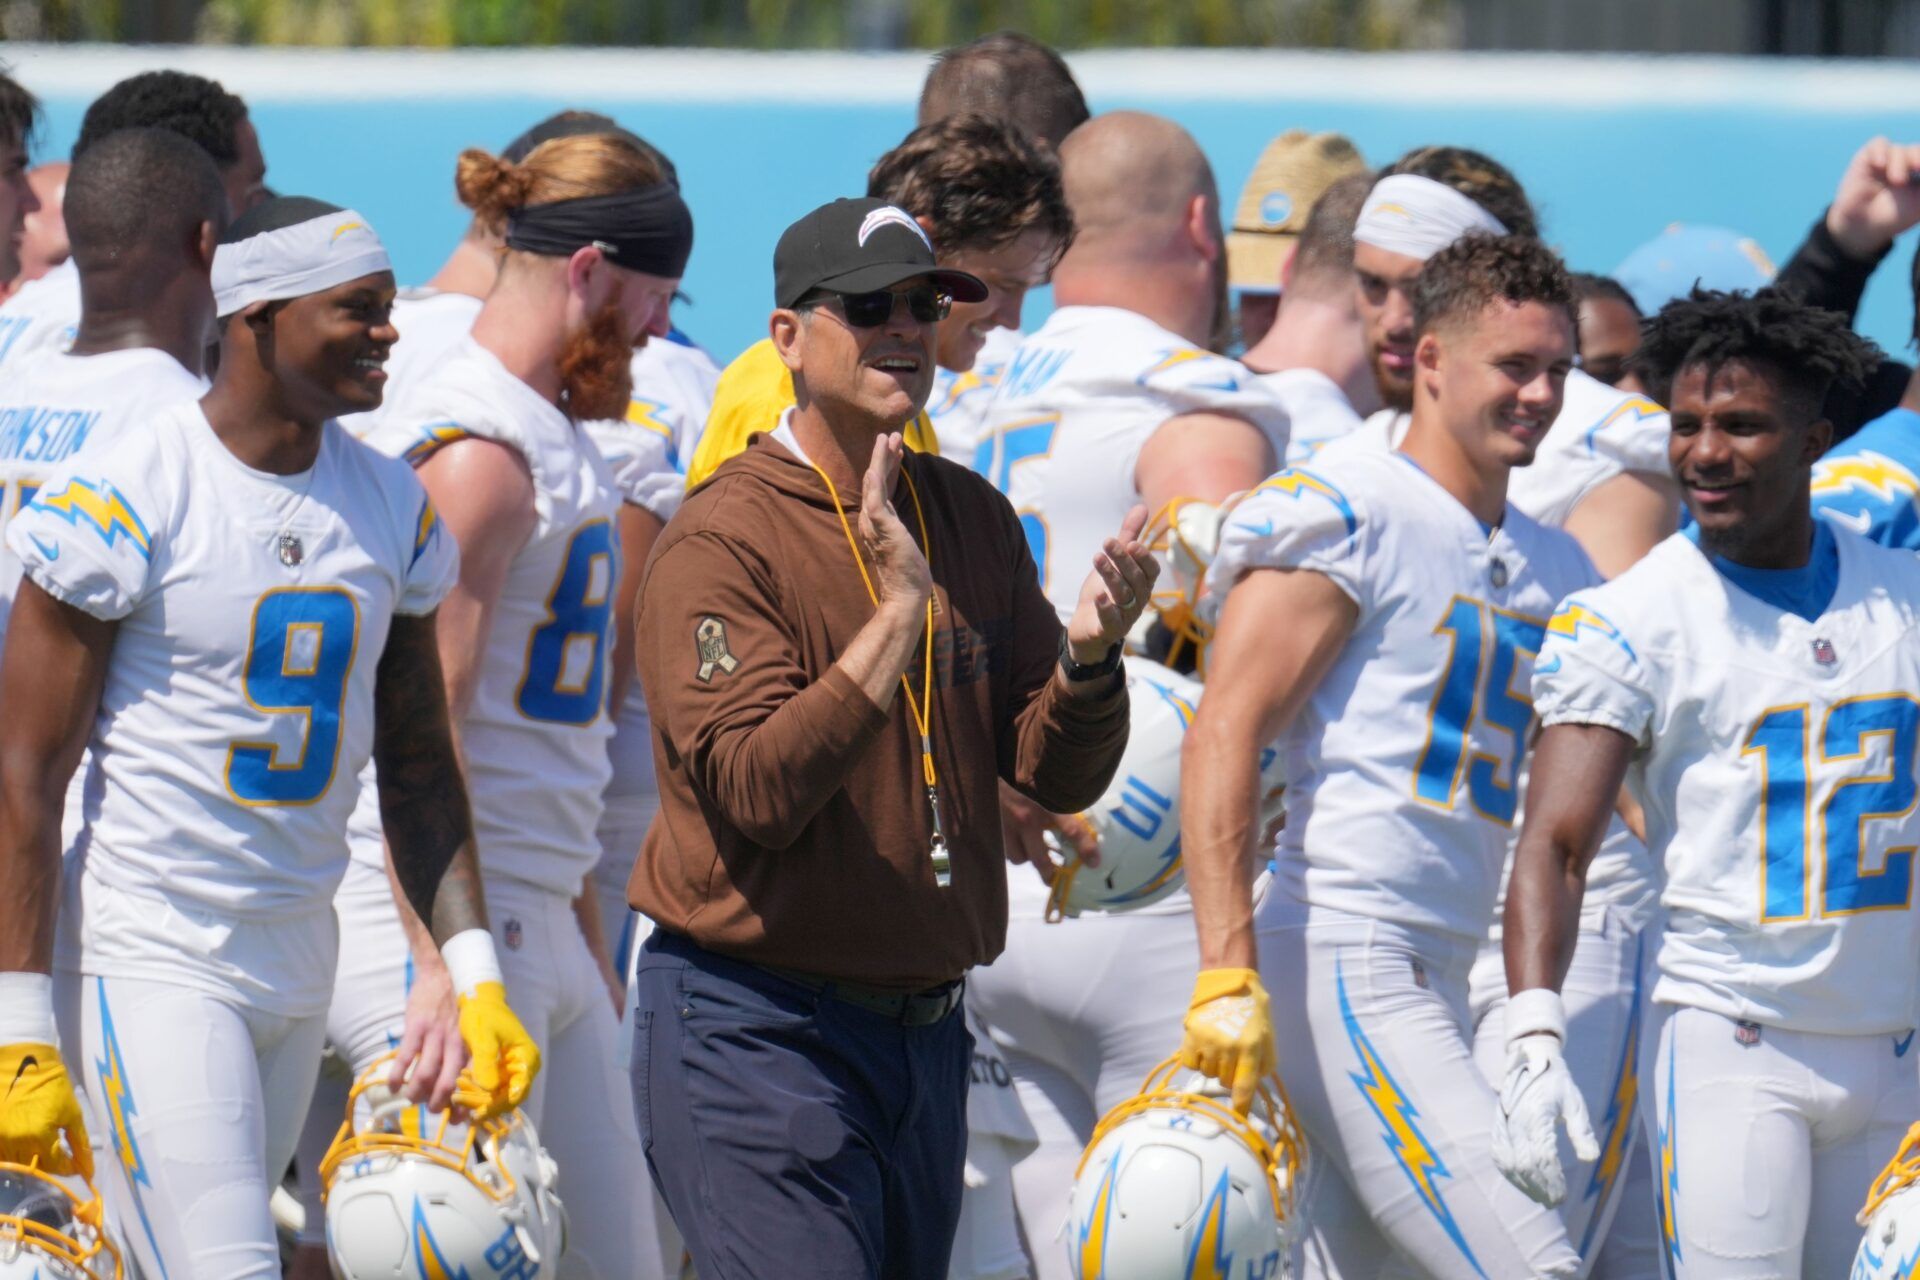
[1029, 440]
[1482, 668]
[566, 673]
[299, 655]
[1779, 737]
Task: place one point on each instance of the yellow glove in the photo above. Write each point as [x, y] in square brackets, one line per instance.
[37, 1108]
[505, 1058]
[1229, 1032]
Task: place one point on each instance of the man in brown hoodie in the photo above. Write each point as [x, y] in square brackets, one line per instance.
[844, 649]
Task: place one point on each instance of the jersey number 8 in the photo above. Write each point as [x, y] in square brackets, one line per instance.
[299, 655]
[565, 678]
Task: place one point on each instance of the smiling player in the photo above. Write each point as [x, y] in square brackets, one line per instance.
[1753, 681]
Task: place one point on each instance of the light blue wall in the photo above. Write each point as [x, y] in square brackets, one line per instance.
[1760, 152]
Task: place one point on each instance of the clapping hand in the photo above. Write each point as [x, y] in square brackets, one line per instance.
[1115, 594]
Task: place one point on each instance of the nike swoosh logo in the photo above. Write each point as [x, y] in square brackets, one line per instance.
[30, 1061]
[51, 550]
[1900, 1047]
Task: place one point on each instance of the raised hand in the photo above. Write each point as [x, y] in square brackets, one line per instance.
[1878, 197]
[900, 573]
[1115, 594]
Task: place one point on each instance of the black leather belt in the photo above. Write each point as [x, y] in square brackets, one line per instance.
[908, 1008]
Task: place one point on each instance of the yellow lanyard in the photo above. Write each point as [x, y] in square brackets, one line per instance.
[922, 716]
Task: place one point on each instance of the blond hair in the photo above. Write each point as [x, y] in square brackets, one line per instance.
[588, 164]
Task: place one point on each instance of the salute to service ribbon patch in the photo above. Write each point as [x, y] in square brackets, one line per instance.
[710, 642]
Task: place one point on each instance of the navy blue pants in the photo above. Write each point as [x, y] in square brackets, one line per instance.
[790, 1133]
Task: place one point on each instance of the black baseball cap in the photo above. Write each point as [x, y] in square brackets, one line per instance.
[858, 246]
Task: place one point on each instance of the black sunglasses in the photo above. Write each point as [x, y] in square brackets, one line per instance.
[925, 303]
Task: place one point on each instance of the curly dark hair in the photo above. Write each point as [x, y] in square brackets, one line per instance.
[1480, 178]
[19, 110]
[1477, 270]
[194, 107]
[1809, 350]
[1008, 76]
[978, 181]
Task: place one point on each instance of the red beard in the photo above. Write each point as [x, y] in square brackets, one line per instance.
[596, 368]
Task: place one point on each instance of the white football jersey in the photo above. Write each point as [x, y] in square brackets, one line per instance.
[1318, 411]
[535, 738]
[647, 454]
[1775, 762]
[429, 322]
[238, 704]
[1601, 433]
[958, 406]
[45, 313]
[52, 404]
[1402, 787]
[1076, 404]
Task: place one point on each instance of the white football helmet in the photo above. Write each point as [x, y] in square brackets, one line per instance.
[1177, 1184]
[1137, 822]
[411, 1193]
[48, 1233]
[1891, 1248]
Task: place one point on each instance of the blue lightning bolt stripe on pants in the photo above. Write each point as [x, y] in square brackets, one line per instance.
[1374, 1040]
[193, 1099]
[1764, 1139]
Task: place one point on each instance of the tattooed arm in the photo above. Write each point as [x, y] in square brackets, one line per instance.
[423, 794]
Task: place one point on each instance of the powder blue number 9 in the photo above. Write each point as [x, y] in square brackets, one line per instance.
[299, 656]
[565, 679]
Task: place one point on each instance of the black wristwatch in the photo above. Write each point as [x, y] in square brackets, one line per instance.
[1087, 671]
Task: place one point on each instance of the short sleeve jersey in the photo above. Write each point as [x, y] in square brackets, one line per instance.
[1870, 482]
[43, 316]
[52, 405]
[252, 608]
[1402, 767]
[1077, 403]
[535, 737]
[647, 454]
[1318, 411]
[1775, 759]
[958, 406]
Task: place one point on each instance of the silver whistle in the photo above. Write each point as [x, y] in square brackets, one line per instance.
[937, 847]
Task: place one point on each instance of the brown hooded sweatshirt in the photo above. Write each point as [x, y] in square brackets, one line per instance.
[794, 826]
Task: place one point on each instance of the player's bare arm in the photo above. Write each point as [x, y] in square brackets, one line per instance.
[1204, 456]
[50, 681]
[1577, 771]
[1280, 630]
[1625, 518]
[423, 797]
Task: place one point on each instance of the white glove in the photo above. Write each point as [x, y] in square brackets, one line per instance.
[1538, 1094]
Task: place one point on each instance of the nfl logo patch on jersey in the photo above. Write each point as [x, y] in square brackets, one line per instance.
[515, 935]
[1823, 652]
[1747, 1033]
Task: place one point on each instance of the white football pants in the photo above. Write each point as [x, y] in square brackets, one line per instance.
[1374, 1036]
[199, 1100]
[579, 1102]
[1765, 1141]
[1082, 1011]
[1608, 1211]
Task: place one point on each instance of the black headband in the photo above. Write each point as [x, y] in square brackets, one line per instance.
[645, 229]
